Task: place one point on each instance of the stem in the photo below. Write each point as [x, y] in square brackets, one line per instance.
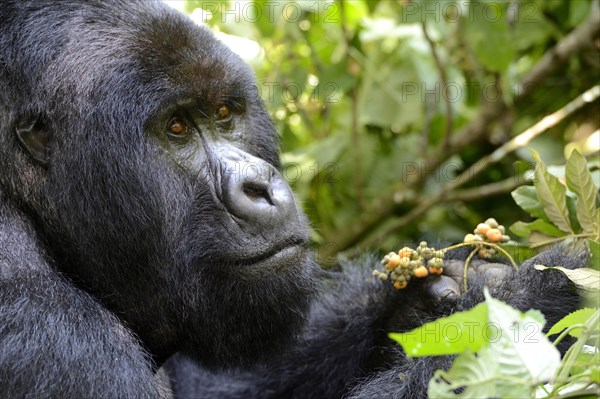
[571, 356]
[566, 332]
[580, 393]
[467, 263]
[554, 240]
[487, 244]
[519, 141]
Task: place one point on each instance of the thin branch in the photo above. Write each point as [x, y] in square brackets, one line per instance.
[446, 194]
[564, 49]
[501, 187]
[487, 190]
[524, 138]
[384, 205]
[358, 182]
[444, 82]
[577, 39]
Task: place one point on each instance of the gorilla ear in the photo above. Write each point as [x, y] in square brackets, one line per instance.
[33, 138]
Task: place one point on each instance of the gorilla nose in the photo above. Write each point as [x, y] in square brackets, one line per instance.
[257, 193]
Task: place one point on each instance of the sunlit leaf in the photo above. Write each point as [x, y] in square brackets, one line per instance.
[523, 229]
[516, 359]
[577, 317]
[526, 198]
[552, 194]
[579, 180]
[585, 278]
[447, 335]
[594, 248]
[490, 38]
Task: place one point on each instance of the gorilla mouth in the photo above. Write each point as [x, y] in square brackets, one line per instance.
[279, 255]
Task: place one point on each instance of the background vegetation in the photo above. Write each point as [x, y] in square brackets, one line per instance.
[389, 110]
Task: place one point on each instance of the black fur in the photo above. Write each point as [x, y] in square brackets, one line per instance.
[119, 244]
[122, 244]
[344, 350]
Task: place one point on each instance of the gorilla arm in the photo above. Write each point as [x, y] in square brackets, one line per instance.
[56, 340]
[549, 291]
[345, 348]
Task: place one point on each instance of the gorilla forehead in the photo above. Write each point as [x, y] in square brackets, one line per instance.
[185, 54]
[102, 50]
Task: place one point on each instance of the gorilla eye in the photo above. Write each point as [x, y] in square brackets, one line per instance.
[223, 113]
[177, 127]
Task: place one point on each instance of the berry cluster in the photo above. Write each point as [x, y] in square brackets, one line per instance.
[488, 231]
[400, 267]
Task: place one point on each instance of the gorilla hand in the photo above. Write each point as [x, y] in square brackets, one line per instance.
[451, 284]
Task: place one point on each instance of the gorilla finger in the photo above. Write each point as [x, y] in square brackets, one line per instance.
[443, 287]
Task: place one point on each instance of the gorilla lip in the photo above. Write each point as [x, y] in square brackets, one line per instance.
[287, 250]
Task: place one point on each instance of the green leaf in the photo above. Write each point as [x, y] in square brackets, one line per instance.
[582, 366]
[522, 349]
[579, 180]
[526, 198]
[517, 358]
[475, 374]
[578, 11]
[585, 278]
[572, 209]
[577, 317]
[490, 37]
[447, 335]
[552, 195]
[523, 229]
[594, 248]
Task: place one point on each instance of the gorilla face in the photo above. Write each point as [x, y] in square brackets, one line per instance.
[150, 165]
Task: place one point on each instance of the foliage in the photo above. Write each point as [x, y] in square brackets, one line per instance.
[400, 121]
[564, 212]
[518, 361]
[380, 104]
[502, 353]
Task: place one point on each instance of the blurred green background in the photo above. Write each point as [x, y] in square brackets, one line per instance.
[380, 104]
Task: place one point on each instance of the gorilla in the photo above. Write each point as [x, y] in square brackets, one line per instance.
[141, 209]
[144, 220]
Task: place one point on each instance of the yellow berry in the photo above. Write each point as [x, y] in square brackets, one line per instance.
[405, 252]
[393, 262]
[494, 235]
[482, 228]
[421, 272]
[399, 285]
[492, 223]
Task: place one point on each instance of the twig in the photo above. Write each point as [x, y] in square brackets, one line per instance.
[466, 268]
[577, 39]
[444, 82]
[564, 49]
[517, 142]
[475, 193]
[385, 204]
[354, 122]
[484, 244]
[524, 138]
[559, 239]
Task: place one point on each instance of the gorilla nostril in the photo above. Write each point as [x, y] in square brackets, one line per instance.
[257, 191]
